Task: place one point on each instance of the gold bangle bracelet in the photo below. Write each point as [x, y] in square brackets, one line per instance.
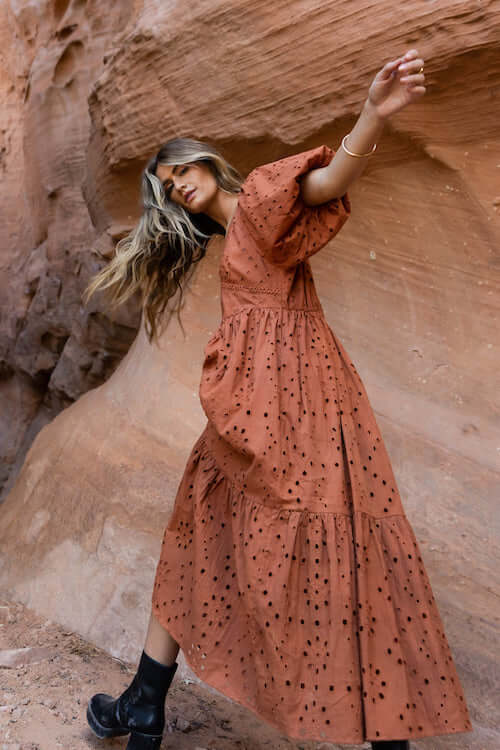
[351, 153]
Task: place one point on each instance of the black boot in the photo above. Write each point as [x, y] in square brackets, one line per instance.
[140, 710]
[391, 745]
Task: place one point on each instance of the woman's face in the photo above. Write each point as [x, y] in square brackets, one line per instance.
[191, 185]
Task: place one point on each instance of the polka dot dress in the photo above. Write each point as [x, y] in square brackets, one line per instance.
[289, 573]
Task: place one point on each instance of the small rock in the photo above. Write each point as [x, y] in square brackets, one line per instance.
[49, 703]
[11, 658]
[182, 724]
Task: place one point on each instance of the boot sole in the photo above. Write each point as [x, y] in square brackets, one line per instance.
[137, 740]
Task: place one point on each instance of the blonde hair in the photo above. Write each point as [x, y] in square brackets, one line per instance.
[168, 240]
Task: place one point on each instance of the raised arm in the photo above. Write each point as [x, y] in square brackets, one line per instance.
[396, 85]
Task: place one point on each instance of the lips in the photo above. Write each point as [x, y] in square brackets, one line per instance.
[189, 195]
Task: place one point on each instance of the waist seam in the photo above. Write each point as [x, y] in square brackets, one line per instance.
[273, 307]
[256, 289]
[203, 446]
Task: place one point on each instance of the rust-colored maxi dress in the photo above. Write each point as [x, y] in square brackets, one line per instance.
[289, 573]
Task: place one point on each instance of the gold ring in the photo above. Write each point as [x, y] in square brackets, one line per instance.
[421, 69]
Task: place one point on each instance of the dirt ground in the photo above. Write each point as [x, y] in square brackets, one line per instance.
[43, 703]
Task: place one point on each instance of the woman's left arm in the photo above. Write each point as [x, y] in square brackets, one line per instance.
[396, 85]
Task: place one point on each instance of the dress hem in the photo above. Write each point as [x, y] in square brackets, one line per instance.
[310, 738]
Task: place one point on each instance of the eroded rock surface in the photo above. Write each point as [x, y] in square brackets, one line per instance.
[52, 349]
[410, 286]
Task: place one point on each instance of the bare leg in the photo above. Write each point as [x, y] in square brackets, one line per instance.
[140, 709]
[159, 643]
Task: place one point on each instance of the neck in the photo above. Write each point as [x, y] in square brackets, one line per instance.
[222, 208]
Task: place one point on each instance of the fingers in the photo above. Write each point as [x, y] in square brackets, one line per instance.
[389, 70]
[412, 73]
[407, 64]
[415, 80]
[407, 68]
[411, 67]
[410, 54]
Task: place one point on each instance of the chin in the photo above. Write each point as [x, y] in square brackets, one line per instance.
[193, 207]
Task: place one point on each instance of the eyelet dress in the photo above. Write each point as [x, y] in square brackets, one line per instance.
[289, 573]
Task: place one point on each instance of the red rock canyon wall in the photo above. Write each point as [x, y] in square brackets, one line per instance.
[96, 424]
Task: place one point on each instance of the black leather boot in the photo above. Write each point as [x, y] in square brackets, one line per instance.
[391, 745]
[140, 710]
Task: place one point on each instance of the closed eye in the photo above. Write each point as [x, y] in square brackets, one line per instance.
[168, 185]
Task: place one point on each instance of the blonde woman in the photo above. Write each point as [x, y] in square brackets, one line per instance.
[289, 574]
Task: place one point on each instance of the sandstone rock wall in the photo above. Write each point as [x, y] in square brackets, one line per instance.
[410, 285]
[51, 349]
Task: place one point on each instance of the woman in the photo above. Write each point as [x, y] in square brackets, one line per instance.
[289, 574]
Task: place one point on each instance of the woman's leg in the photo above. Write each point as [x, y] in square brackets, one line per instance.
[159, 643]
[140, 709]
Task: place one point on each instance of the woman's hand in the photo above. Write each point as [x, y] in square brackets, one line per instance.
[397, 84]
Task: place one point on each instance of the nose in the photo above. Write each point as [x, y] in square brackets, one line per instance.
[179, 183]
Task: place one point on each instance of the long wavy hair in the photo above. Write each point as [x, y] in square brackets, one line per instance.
[156, 256]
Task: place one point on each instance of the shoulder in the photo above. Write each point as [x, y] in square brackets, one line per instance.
[310, 158]
[282, 173]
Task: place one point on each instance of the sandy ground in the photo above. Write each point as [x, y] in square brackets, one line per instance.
[43, 703]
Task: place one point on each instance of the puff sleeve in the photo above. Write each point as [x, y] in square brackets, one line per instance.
[285, 230]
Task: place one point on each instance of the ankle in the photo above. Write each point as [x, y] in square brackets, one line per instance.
[168, 663]
[154, 677]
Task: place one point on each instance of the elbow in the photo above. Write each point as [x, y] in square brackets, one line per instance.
[318, 186]
[314, 194]
[326, 197]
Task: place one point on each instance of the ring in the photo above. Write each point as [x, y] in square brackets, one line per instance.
[421, 69]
